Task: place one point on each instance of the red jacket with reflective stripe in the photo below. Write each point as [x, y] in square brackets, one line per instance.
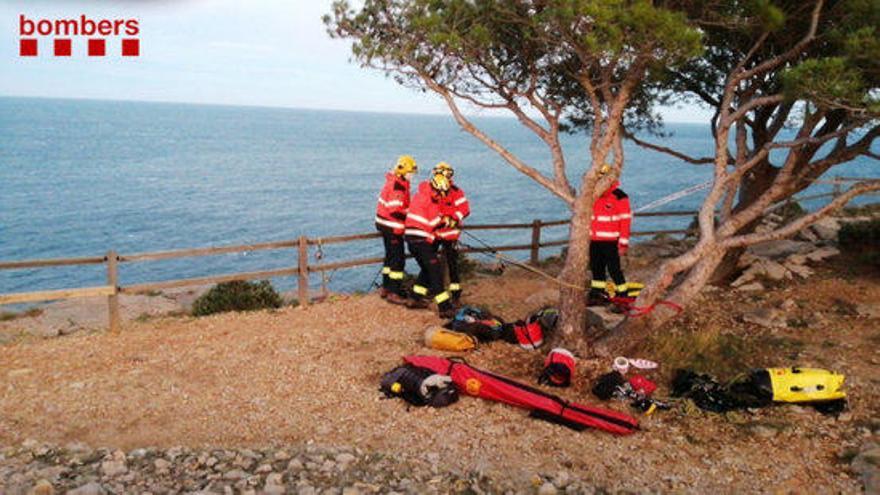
[612, 216]
[393, 204]
[425, 213]
[456, 206]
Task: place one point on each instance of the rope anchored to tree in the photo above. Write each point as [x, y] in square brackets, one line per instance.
[625, 304]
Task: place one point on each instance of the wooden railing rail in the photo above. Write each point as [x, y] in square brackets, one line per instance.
[301, 270]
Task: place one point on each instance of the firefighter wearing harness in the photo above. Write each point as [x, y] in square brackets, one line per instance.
[390, 221]
[609, 240]
[455, 209]
[422, 224]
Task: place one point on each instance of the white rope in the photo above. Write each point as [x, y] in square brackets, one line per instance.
[674, 196]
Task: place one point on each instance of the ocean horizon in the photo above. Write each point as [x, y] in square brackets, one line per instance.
[80, 177]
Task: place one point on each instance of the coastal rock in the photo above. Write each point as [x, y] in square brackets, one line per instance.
[603, 317]
[867, 465]
[44, 332]
[113, 468]
[90, 488]
[799, 270]
[766, 317]
[547, 489]
[869, 310]
[826, 228]
[763, 431]
[753, 287]
[780, 248]
[822, 253]
[43, 487]
[807, 235]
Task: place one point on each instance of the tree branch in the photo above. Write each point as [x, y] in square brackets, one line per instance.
[785, 57]
[512, 159]
[797, 225]
[668, 151]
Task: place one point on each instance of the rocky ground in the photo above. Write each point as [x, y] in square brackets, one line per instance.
[286, 401]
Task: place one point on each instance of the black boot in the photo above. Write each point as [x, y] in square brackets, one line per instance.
[597, 297]
[446, 310]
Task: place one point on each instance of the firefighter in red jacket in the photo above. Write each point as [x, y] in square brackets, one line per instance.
[423, 221]
[455, 209]
[390, 219]
[609, 239]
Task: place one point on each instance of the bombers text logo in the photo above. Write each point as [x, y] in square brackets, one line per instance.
[79, 36]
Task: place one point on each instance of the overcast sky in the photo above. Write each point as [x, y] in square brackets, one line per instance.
[237, 52]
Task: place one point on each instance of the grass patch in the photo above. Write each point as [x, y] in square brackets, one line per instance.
[143, 317]
[864, 210]
[30, 313]
[706, 351]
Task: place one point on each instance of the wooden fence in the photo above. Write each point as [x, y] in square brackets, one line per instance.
[303, 268]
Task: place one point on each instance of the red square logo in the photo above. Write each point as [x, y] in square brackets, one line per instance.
[62, 47]
[131, 47]
[97, 48]
[27, 48]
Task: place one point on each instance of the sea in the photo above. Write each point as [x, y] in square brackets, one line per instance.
[81, 177]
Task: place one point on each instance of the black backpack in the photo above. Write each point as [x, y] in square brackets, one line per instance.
[406, 382]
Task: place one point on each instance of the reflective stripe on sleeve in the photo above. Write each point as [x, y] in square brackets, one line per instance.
[390, 204]
[389, 223]
[624, 241]
[396, 275]
[454, 287]
[421, 219]
[606, 234]
[460, 201]
[442, 297]
[420, 290]
[597, 284]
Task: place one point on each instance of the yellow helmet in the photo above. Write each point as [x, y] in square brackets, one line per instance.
[406, 164]
[445, 169]
[440, 183]
[604, 169]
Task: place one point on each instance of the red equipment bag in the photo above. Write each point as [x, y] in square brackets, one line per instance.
[642, 385]
[480, 383]
[558, 368]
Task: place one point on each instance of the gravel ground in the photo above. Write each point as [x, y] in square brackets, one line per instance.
[304, 381]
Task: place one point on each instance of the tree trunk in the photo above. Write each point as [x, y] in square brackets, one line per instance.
[754, 185]
[699, 263]
[573, 331]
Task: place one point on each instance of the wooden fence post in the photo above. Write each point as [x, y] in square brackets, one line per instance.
[534, 258]
[303, 267]
[113, 299]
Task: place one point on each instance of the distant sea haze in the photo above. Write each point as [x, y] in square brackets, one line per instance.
[80, 177]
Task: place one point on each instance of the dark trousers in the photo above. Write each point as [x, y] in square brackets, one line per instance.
[450, 252]
[430, 279]
[395, 261]
[604, 257]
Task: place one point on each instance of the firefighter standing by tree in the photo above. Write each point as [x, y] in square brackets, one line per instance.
[455, 208]
[390, 219]
[609, 239]
[422, 223]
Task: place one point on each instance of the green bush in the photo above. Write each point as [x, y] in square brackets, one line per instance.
[860, 235]
[237, 296]
[861, 240]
